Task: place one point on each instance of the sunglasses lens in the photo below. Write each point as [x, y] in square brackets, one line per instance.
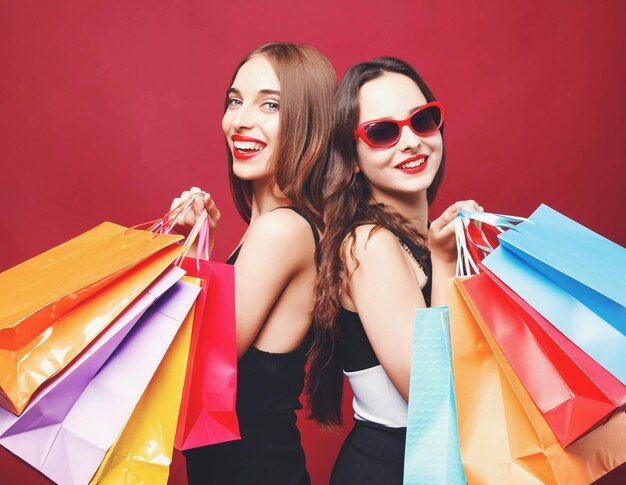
[426, 121]
[383, 133]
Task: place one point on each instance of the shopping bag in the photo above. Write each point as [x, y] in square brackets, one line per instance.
[71, 451]
[37, 292]
[25, 370]
[549, 336]
[432, 442]
[61, 393]
[569, 400]
[143, 451]
[599, 339]
[588, 266]
[476, 235]
[502, 435]
[207, 414]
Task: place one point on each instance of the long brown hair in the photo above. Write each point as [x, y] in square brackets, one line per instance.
[347, 205]
[307, 83]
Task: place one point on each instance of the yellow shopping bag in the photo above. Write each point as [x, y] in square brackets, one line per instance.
[143, 452]
[503, 436]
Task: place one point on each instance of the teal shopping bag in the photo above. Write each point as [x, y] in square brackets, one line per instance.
[432, 454]
[588, 266]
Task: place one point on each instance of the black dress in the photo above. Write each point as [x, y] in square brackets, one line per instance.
[268, 391]
[373, 452]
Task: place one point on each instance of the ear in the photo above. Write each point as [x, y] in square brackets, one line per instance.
[357, 169]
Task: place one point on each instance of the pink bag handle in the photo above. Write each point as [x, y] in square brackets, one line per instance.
[200, 230]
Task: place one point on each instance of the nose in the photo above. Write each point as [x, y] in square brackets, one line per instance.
[243, 118]
[409, 141]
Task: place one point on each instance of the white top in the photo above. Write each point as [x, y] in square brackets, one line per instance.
[376, 399]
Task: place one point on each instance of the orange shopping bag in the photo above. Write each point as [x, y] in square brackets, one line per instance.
[53, 305]
[503, 436]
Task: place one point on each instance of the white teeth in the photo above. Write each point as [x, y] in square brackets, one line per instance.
[247, 145]
[413, 164]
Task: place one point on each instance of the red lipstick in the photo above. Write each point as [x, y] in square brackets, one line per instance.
[413, 170]
[246, 154]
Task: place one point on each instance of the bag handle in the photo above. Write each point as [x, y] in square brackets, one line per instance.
[199, 231]
[166, 224]
[470, 237]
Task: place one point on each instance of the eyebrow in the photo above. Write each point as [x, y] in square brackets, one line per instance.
[262, 91]
[411, 111]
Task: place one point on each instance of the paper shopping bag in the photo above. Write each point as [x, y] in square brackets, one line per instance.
[598, 338]
[568, 397]
[37, 292]
[432, 442]
[588, 266]
[502, 435]
[71, 451]
[61, 393]
[25, 370]
[143, 451]
[207, 414]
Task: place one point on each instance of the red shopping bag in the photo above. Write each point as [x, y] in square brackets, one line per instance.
[573, 398]
[207, 414]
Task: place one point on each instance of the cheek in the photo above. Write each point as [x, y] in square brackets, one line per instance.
[435, 142]
[272, 130]
[225, 123]
[371, 162]
[372, 158]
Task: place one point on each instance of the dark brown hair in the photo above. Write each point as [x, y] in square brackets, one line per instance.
[307, 83]
[347, 205]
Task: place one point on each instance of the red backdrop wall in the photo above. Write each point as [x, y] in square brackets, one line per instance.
[108, 109]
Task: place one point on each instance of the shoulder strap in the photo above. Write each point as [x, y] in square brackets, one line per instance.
[415, 251]
[316, 234]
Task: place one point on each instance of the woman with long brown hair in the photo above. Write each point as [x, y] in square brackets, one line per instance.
[277, 121]
[380, 259]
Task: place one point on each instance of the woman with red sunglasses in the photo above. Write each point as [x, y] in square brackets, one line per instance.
[380, 259]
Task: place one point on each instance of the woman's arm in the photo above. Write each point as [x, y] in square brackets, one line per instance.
[443, 252]
[277, 247]
[385, 291]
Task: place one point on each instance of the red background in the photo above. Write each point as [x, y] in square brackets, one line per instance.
[109, 109]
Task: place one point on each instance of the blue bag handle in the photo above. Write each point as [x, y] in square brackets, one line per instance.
[465, 264]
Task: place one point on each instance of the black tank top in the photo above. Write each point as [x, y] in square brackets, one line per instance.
[269, 386]
[355, 349]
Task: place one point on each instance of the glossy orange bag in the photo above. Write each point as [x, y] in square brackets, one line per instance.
[503, 436]
[53, 305]
[35, 293]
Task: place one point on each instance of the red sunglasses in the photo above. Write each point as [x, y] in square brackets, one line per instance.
[385, 133]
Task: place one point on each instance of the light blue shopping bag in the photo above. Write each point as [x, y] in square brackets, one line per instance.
[432, 453]
[588, 266]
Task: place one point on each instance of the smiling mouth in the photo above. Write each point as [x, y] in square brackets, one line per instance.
[412, 163]
[248, 146]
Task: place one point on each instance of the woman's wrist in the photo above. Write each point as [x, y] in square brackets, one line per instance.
[442, 271]
[442, 258]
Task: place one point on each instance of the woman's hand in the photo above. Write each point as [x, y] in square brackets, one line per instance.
[189, 218]
[441, 239]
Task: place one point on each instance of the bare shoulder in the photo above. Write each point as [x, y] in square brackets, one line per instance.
[371, 244]
[282, 231]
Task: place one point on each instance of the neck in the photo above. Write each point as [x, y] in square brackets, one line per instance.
[265, 197]
[413, 207]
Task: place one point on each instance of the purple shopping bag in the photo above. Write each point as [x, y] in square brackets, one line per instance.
[70, 446]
